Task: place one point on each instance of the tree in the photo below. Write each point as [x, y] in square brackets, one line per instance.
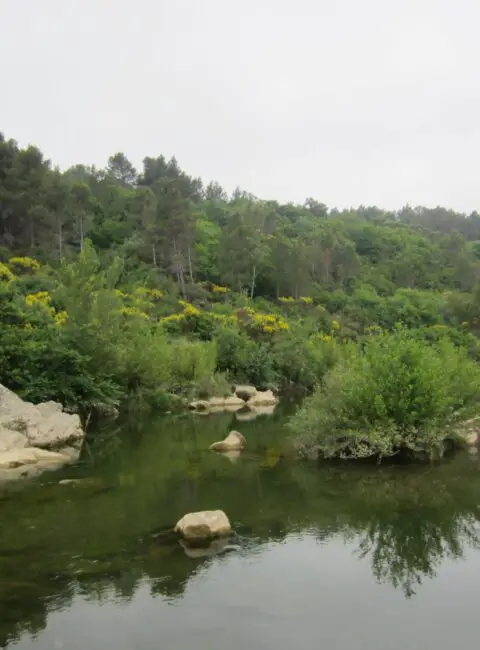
[121, 170]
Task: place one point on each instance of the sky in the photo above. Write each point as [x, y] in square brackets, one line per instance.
[373, 102]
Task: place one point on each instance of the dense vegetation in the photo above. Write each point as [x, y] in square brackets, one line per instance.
[116, 283]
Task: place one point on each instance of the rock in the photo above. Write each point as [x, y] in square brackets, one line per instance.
[58, 430]
[233, 442]
[49, 408]
[263, 398]
[200, 405]
[470, 438]
[11, 439]
[216, 402]
[29, 456]
[245, 392]
[234, 403]
[17, 458]
[203, 525]
[35, 438]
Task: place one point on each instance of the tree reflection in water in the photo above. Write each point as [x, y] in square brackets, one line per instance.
[104, 540]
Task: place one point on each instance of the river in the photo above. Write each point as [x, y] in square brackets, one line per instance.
[337, 557]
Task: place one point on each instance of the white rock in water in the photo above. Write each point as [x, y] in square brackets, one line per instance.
[233, 442]
[202, 525]
[263, 398]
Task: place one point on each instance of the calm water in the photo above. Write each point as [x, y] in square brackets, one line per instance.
[337, 558]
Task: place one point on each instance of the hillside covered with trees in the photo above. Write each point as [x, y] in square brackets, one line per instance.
[119, 283]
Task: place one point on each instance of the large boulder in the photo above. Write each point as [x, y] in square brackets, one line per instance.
[204, 525]
[233, 442]
[217, 404]
[233, 403]
[263, 398]
[35, 437]
[245, 392]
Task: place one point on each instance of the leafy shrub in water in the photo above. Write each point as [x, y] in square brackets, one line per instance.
[397, 394]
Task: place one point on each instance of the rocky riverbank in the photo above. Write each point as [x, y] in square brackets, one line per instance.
[35, 438]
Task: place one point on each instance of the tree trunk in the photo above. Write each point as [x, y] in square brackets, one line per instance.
[60, 238]
[181, 277]
[154, 255]
[254, 274]
[190, 269]
[32, 232]
[81, 235]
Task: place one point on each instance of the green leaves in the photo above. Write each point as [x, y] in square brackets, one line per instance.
[397, 394]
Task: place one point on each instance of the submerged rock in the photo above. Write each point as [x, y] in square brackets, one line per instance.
[233, 442]
[203, 525]
[35, 437]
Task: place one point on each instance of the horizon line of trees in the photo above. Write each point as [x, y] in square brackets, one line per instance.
[174, 223]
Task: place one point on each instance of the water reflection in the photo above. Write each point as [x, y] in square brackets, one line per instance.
[104, 539]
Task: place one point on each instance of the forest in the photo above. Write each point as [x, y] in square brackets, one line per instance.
[143, 288]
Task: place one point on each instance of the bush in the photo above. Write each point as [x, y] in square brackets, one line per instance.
[244, 359]
[395, 395]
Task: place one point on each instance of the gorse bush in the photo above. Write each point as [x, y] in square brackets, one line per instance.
[395, 394]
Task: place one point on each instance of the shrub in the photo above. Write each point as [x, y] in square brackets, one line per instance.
[244, 359]
[397, 394]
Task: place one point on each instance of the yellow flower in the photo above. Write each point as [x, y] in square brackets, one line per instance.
[5, 273]
[133, 312]
[306, 299]
[25, 263]
[149, 294]
[188, 309]
[61, 318]
[218, 289]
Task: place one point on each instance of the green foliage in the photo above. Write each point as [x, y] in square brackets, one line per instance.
[93, 263]
[393, 394]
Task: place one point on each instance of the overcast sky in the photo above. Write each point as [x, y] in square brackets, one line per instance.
[348, 101]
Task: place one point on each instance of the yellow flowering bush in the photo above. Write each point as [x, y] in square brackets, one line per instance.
[42, 300]
[287, 300]
[61, 318]
[24, 264]
[188, 309]
[152, 295]
[268, 324]
[306, 300]
[5, 273]
[133, 312]
[218, 289]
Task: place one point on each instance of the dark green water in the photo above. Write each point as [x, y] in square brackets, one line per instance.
[335, 558]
